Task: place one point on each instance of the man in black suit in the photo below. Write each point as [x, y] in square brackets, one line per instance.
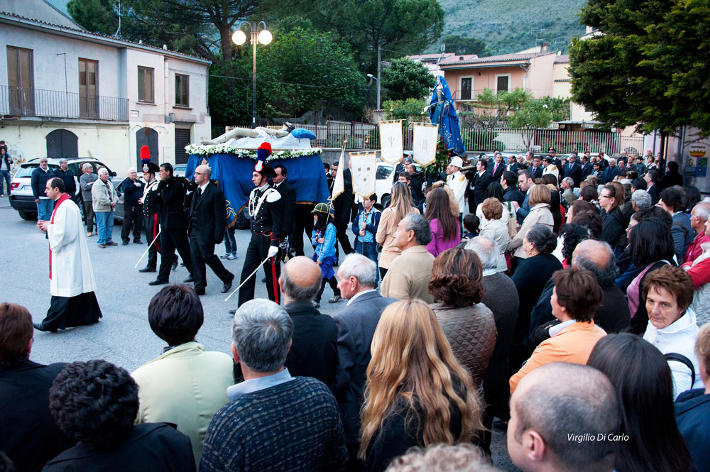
[572, 170]
[343, 206]
[478, 185]
[357, 280]
[208, 217]
[497, 167]
[513, 165]
[170, 199]
[510, 190]
[587, 166]
[288, 208]
[536, 168]
[314, 351]
[29, 435]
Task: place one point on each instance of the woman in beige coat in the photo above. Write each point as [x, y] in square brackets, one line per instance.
[399, 207]
[539, 214]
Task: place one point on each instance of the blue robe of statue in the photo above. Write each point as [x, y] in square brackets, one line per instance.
[443, 113]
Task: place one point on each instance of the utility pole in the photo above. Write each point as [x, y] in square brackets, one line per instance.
[379, 71]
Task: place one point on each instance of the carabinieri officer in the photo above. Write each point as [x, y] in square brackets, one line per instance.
[265, 212]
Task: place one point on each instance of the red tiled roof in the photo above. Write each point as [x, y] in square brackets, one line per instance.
[472, 59]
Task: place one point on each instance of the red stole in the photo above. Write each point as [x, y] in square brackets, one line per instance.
[59, 201]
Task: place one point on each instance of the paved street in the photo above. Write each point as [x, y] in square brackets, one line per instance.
[123, 336]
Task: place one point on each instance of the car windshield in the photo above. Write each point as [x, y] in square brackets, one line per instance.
[26, 171]
[383, 172]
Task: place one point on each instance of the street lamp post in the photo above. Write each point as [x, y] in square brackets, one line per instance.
[372, 77]
[260, 34]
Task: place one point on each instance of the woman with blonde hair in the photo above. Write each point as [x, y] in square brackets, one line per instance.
[400, 206]
[417, 393]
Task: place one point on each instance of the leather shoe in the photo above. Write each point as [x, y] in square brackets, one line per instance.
[175, 262]
[126, 243]
[158, 282]
[227, 286]
[111, 243]
[137, 241]
[146, 269]
[188, 280]
[40, 327]
[200, 291]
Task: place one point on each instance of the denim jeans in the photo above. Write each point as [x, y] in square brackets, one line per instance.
[104, 225]
[230, 242]
[368, 250]
[5, 175]
[44, 209]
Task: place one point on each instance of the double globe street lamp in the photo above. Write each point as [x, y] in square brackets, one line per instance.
[259, 34]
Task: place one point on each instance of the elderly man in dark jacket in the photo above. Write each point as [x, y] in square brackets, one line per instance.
[314, 351]
[357, 280]
[132, 189]
[612, 315]
[28, 433]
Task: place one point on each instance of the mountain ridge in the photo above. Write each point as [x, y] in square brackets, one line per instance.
[512, 25]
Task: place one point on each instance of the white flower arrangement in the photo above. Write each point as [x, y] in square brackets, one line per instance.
[225, 148]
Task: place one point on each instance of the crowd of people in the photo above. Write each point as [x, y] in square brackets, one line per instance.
[565, 302]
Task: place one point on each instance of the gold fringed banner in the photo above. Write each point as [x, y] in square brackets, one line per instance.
[391, 146]
[363, 167]
[424, 143]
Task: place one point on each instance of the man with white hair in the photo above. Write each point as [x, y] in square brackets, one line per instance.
[103, 199]
[132, 189]
[255, 430]
[457, 182]
[357, 281]
[698, 218]
[641, 200]
[86, 181]
[501, 297]
[567, 185]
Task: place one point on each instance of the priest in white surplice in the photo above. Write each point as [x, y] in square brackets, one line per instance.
[457, 182]
[70, 272]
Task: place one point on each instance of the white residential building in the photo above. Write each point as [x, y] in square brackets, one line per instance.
[70, 93]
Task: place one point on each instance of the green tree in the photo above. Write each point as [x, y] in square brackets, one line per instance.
[492, 110]
[648, 68]
[531, 115]
[291, 79]
[201, 27]
[396, 27]
[406, 79]
[461, 45]
[95, 15]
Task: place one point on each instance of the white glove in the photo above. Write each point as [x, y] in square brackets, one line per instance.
[273, 250]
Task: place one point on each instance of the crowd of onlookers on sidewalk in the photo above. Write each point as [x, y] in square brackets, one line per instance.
[564, 301]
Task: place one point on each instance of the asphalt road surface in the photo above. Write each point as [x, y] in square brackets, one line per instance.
[123, 336]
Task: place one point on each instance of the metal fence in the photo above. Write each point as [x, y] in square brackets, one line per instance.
[359, 135]
[19, 101]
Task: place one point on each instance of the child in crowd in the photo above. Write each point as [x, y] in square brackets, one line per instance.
[470, 226]
[365, 228]
[324, 240]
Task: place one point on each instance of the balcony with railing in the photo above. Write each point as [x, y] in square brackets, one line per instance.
[33, 102]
